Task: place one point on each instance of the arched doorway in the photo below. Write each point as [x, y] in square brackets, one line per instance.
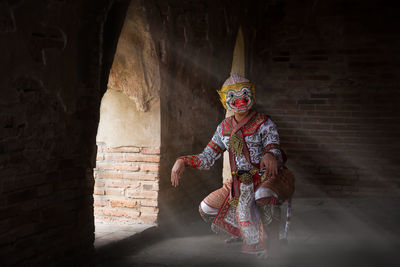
[128, 137]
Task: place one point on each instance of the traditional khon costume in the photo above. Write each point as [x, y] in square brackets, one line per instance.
[250, 201]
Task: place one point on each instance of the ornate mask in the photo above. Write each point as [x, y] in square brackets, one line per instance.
[237, 96]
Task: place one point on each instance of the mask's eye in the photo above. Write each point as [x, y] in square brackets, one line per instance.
[245, 93]
[231, 95]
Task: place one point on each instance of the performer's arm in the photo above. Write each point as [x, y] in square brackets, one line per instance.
[206, 159]
[202, 161]
[272, 156]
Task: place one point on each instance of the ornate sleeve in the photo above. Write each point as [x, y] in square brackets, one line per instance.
[210, 154]
[270, 139]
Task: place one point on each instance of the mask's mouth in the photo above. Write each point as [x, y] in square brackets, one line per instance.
[240, 103]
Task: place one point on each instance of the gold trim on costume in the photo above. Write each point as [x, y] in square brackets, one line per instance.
[234, 201]
[236, 144]
[246, 178]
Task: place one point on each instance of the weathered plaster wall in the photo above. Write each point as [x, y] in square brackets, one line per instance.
[135, 70]
[121, 124]
[126, 176]
[130, 109]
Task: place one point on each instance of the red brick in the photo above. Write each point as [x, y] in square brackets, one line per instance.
[123, 203]
[123, 183]
[109, 175]
[99, 183]
[149, 202]
[122, 150]
[132, 193]
[148, 218]
[105, 166]
[148, 187]
[143, 158]
[150, 150]
[100, 202]
[141, 176]
[149, 167]
[126, 167]
[115, 183]
[117, 166]
[115, 157]
[148, 210]
[115, 191]
[98, 191]
[121, 213]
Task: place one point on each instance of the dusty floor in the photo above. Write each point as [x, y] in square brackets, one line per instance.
[325, 232]
[106, 235]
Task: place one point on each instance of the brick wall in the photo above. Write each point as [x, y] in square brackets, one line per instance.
[51, 64]
[344, 144]
[126, 184]
[328, 73]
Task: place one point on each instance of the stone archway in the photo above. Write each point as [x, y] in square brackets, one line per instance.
[128, 138]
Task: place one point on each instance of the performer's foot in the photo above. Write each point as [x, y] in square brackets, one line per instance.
[233, 239]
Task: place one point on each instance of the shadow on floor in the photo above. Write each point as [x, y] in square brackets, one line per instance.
[325, 232]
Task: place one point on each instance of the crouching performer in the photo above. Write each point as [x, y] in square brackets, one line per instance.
[248, 206]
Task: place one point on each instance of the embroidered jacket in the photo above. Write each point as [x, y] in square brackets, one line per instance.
[261, 136]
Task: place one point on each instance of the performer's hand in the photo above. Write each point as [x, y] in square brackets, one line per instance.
[177, 172]
[269, 164]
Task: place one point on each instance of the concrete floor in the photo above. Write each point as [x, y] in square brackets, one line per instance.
[325, 232]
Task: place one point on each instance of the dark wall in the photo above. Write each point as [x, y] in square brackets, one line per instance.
[328, 73]
[51, 68]
[195, 42]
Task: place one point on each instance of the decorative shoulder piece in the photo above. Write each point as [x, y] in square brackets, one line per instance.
[252, 126]
[249, 129]
[191, 161]
[227, 126]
